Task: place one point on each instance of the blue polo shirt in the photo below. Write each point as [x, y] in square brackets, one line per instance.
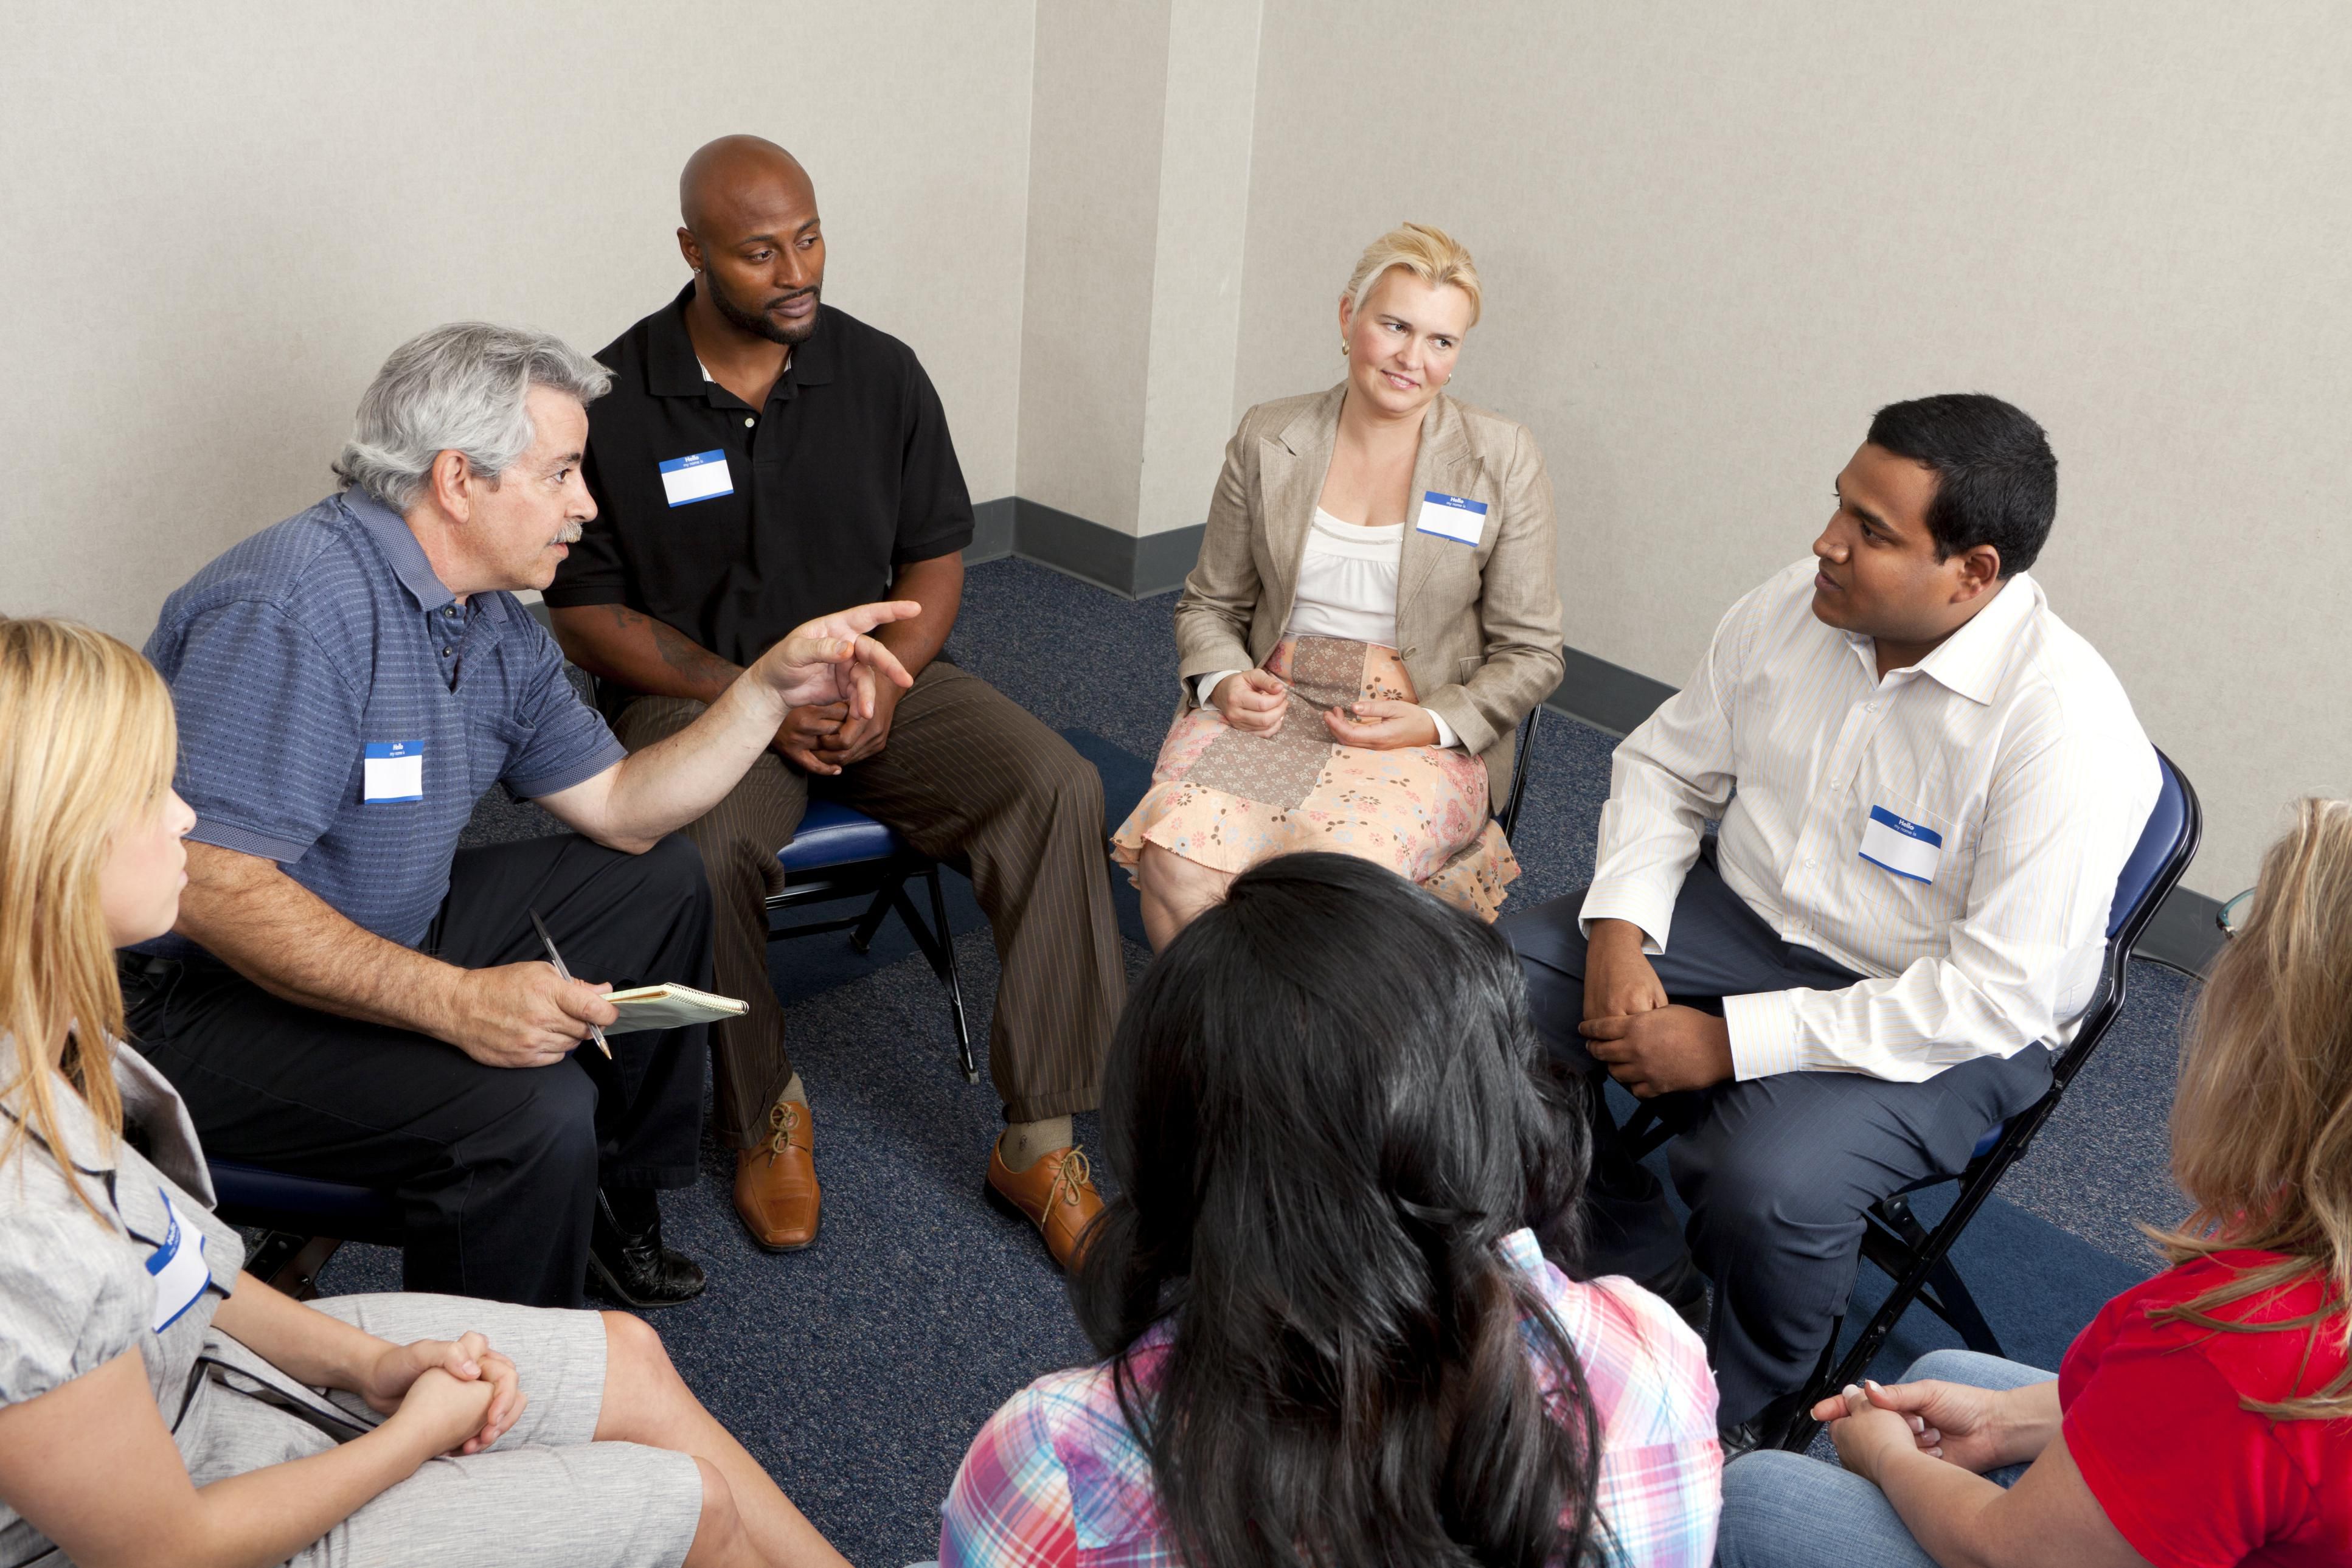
[327, 637]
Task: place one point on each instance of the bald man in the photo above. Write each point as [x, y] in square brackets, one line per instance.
[761, 453]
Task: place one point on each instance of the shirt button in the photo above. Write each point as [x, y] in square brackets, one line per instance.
[749, 422]
[448, 651]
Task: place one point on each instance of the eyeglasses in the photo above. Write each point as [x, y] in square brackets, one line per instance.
[2231, 917]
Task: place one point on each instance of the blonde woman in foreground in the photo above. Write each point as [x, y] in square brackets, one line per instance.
[157, 1403]
[2204, 1417]
[1372, 614]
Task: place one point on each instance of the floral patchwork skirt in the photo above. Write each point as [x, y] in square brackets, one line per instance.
[1228, 800]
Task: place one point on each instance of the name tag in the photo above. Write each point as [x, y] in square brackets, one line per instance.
[699, 478]
[1457, 518]
[1905, 848]
[393, 769]
[178, 1268]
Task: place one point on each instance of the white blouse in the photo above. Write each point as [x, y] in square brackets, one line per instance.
[1346, 589]
[1347, 583]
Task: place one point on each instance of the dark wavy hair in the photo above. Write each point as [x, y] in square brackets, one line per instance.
[1995, 478]
[1325, 1105]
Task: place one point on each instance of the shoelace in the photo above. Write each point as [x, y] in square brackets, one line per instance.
[1074, 1174]
[784, 1116]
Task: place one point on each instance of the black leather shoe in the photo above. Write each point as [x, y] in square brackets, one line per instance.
[638, 1270]
[1770, 1428]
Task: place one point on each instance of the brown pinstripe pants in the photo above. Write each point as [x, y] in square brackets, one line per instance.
[977, 781]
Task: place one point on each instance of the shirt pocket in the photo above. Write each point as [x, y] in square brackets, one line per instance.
[1924, 885]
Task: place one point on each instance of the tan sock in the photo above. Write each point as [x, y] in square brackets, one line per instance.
[794, 1090]
[1024, 1141]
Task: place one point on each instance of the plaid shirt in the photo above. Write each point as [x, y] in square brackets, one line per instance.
[1055, 1478]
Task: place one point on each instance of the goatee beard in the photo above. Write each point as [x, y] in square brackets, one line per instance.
[760, 326]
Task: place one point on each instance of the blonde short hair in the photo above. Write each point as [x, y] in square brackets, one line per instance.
[87, 743]
[2261, 1123]
[1429, 253]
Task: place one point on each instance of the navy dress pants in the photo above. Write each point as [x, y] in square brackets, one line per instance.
[496, 1168]
[1777, 1172]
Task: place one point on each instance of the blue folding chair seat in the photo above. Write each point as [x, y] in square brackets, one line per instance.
[305, 1220]
[840, 852]
[1915, 1257]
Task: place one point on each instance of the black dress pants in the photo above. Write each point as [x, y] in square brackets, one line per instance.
[1777, 1171]
[496, 1168]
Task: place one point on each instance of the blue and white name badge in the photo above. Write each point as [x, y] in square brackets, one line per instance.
[1457, 518]
[1902, 847]
[393, 769]
[697, 478]
[178, 1266]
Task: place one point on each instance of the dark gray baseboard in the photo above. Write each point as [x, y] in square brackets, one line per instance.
[1130, 567]
[991, 531]
[2183, 932]
[1604, 695]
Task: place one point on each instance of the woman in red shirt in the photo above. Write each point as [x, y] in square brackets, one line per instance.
[2205, 1417]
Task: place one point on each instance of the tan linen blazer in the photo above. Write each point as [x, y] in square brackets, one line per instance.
[1478, 627]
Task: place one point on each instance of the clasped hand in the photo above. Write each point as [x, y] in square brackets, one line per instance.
[1651, 1046]
[1870, 1422]
[460, 1395]
[828, 671]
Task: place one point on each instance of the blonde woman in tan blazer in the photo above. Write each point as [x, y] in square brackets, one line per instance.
[1373, 613]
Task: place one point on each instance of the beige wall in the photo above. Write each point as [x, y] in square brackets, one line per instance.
[1098, 90]
[1715, 238]
[221, 219]
[1138, 199]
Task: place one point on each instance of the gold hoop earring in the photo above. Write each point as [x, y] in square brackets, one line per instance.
[1343, 351]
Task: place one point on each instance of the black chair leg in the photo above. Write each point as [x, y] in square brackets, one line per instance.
[870, 923]
[289, 1262]
[1802, 1427]
[1950, 1301]
[954, 982]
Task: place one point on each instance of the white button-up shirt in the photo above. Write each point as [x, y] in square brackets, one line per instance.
[2012, 743]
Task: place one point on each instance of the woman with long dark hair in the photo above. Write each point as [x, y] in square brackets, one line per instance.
[1330, 1338]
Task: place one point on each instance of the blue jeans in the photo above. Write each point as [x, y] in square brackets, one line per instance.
[1785, 1510]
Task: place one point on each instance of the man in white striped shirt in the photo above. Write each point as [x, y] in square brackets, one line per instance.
[1927, 785]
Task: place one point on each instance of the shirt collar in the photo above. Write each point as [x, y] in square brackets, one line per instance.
[673, 371]
[149, 1103]
[1521, 1250]
[390, 531]
[1972, 659]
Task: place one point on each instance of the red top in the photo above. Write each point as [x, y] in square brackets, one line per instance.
[2189, 1476]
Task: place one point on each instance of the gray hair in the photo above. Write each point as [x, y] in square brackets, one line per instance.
[458, 388]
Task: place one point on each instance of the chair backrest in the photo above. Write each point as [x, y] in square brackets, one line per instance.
[2166, 847]
[2150, 872]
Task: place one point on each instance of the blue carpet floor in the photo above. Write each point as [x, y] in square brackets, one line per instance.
[858, 1370]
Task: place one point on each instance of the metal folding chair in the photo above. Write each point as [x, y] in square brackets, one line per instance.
[839, 853]
[1915, 1256]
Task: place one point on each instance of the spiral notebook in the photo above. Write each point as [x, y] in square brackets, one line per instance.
[669, 1007]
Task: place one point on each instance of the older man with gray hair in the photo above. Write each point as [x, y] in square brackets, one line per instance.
[347, 994]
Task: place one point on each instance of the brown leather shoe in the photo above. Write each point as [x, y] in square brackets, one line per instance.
[1056, 1195]
[775, 1185]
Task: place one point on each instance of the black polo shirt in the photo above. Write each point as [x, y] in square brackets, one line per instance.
[846, 474]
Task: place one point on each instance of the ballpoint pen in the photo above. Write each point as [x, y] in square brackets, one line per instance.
[556, 959]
